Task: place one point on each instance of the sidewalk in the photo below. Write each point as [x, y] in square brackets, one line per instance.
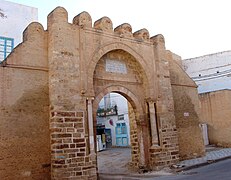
[213, 154]
[117, 169]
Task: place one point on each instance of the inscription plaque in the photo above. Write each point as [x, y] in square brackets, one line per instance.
[116, 66]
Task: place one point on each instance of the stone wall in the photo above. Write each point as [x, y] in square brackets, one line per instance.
[133, 137]
[187, 111]
[216, 113]
[24, 109]
[166, 152]
[70, 152]
[24, 127]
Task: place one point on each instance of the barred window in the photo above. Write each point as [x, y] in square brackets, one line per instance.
[6, 46]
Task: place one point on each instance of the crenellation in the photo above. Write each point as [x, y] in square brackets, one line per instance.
[34, 32]
[58, 15]
[124, 30]
[104, 24]
[142, 34]
[83, 19]
[158, 39]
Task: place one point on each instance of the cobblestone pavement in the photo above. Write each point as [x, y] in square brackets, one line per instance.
[114, 163]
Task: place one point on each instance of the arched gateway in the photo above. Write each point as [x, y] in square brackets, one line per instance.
[65, 71]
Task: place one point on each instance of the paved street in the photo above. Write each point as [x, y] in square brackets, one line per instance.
[215, 171]
[220, 170]
[114, 160]
[113, 164]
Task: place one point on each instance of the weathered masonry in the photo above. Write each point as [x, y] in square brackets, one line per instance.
[51, 85]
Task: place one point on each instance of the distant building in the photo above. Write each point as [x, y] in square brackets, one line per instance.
[113, 121]
[14, 18]
[212, 74]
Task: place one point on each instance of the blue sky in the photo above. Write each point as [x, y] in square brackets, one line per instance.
[191, 27]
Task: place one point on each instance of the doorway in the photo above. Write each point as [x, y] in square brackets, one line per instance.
[113, 132]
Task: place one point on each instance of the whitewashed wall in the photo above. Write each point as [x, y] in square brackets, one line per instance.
[16, 18]
[122, 105]
[210, 72]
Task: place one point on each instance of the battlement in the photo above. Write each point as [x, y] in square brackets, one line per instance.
[104, 24]
[35, 31]
[57, 22]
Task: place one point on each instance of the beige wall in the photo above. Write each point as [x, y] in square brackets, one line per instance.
[24, 128]
[216, 113]
[187, 111]
[24, 111]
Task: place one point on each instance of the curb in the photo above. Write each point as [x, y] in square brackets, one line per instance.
[105, 176]
[202, 164]
[132, 175]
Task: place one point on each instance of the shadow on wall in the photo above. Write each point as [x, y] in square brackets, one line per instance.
[25, 141]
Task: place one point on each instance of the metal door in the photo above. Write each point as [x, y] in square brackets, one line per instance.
[121, 134]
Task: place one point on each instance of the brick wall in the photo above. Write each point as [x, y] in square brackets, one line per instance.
[69, 149]
[133, 137]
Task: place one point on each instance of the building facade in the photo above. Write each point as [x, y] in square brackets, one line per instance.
[212, 74]
[116, 123]
[215, 108]
[14, 18]
[49, 105]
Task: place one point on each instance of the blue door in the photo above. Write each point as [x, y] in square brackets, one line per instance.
[121, 134]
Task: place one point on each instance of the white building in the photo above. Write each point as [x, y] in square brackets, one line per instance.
[116, 124]
[14, 18]
[210, 72]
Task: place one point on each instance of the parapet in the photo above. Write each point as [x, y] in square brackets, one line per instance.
[104, 24]
[59, 15]
[32, 51]
[141, 34]
[158, 39]
[124, 30]
[33, 32]
[83, 19]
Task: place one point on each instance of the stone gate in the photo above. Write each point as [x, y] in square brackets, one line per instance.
[51, 85]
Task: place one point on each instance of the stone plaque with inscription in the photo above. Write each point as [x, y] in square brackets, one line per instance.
[116, 66]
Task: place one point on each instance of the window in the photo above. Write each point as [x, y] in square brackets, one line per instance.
[121, 128]
[121, 117]
[6, 46]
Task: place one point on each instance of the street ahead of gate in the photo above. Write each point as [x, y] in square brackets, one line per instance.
[113, 164]
[215, 171]
[220, 170]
